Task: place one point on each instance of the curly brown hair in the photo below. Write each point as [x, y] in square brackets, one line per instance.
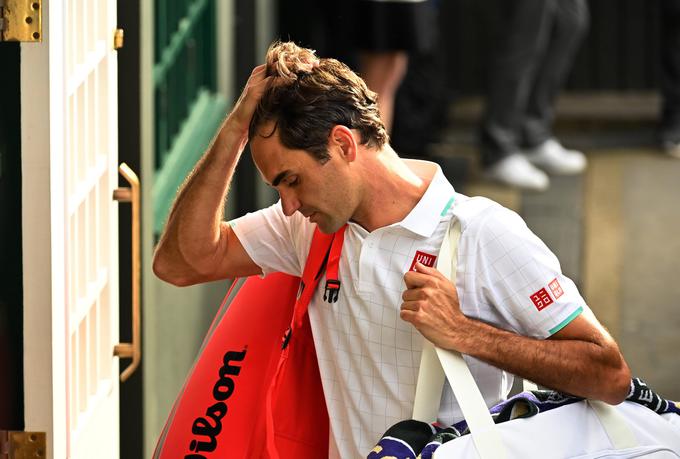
[309, 96]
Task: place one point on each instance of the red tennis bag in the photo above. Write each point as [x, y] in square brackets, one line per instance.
[255, 390]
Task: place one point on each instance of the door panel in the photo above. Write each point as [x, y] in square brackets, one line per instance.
[91, 217]
[70, 233]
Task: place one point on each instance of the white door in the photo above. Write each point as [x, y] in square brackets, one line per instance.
[69, 226]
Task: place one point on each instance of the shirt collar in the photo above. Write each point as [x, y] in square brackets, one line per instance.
[435, 202]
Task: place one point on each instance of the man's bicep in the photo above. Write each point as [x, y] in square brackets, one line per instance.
[234, 259]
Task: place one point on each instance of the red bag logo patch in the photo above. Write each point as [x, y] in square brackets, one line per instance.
[424, 258]
[541, 299]
[556, 288]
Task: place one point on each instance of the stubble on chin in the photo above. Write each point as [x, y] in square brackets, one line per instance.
[324, 228]
[327, 226]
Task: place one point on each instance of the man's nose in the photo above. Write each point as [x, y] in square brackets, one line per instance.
[289, 203]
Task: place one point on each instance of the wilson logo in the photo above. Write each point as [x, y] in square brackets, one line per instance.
[207, 428]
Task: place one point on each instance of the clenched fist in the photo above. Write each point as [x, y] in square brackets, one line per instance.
[430, 303]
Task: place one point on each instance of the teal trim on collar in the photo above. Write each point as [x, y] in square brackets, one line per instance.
[566, 321]
[448, 206]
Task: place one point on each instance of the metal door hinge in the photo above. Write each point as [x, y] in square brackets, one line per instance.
[22, 445]
[21, 20]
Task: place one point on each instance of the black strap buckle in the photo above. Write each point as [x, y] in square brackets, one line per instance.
[332, 291]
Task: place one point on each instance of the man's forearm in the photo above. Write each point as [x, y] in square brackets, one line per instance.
[189, 243]
[591, 369]
[195, 241]
[581, 359]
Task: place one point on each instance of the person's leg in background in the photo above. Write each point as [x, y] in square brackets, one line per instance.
[383, 73]
[520, 43]
[570, 26]
[387, 32]
[670, 76]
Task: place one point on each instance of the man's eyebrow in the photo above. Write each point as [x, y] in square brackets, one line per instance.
[279, 177]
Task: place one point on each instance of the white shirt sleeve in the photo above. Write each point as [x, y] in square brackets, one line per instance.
[520, 278]
[276, 243]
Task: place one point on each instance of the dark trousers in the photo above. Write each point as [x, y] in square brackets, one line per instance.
[670, 70]
[535, 50]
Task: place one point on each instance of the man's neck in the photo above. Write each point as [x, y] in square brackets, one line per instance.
[391, 190]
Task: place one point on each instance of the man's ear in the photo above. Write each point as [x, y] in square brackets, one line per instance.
[342, 139]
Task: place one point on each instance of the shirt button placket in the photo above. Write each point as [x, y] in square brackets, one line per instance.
[367, 264]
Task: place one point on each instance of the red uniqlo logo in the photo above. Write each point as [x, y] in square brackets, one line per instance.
[424, 258]
[541, 299]
[556, 288]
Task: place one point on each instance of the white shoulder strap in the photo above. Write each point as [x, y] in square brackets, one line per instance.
[528, 385]
[618, 430]
[431, 377]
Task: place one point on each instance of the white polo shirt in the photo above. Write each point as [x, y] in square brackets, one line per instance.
[368, 357]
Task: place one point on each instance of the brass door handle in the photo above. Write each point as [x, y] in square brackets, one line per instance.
[131, 350]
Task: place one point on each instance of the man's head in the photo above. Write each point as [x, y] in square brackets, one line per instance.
[309, 96]
[311, 121]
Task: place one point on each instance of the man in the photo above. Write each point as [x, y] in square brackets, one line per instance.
[316, 136]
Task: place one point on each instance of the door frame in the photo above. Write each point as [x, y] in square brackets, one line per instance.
[42, 243]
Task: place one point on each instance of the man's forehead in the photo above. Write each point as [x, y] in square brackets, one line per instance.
[274, 161]
[266, 134]
[267, 149]
[266, 130]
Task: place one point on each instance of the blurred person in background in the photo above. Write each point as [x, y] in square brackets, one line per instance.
[670, 76]
[534, 55]
[375, 37]
[387, 33]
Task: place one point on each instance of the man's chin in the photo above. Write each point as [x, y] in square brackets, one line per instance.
[328, 227]
[324, 229]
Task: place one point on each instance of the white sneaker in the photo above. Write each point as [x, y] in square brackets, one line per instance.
[552, 157]
[515, 170]
[672, 149]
